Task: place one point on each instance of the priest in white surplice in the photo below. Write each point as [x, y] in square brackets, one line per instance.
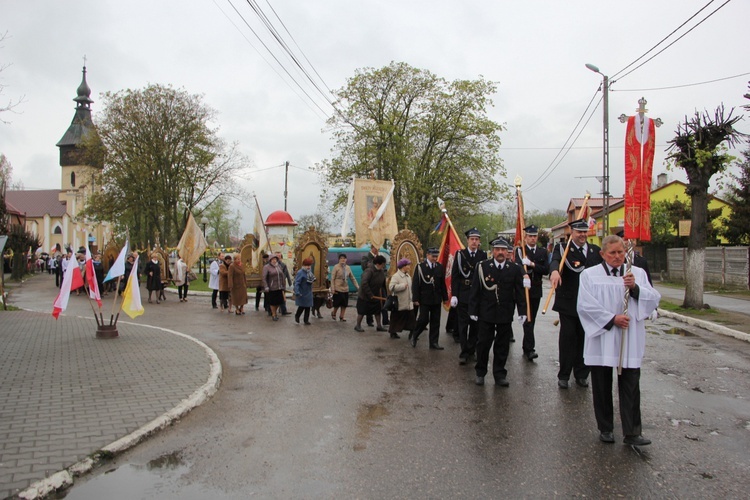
[600, 308]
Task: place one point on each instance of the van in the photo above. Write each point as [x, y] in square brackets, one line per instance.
[354, 261]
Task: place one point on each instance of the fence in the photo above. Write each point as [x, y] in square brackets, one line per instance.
[725, 266]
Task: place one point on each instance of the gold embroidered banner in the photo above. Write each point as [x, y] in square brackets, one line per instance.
[369, 198]
[192, 244]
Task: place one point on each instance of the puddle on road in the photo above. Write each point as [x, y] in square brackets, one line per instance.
[680, 332]
[161, 477]
[368, 416]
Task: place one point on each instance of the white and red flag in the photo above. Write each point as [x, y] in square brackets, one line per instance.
[72, 279]
[94, 292]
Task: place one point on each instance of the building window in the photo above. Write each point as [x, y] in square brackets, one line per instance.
[72, 179]
[57, 230]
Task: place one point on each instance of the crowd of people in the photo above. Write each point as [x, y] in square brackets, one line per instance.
[488, 292]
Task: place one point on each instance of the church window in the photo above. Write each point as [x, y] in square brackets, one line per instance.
[57, 230]
[73, 179]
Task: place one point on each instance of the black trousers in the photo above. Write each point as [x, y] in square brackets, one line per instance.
[214, 293]
[224, 298]
[497, 337]
[529, 342]
[258, 294]
[429, 314]
[629, 393]
[571, 348]
[467, 331]
[182, 290]
[299, 312]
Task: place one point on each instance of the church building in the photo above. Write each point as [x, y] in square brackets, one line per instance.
[53, 214]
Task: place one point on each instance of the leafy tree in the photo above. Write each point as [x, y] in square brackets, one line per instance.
[160, 159]
[431, 136]
[665, 219]
[318, 220]
[700, 148]
[547, 219]
[222, 224]
[19, 241]
[6, 170]
[737, 225]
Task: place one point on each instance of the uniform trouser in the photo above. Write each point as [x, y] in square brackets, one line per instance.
[529, 342]
[571, 348]
[429, 314]
[496, 336]
[214, 294]
[629, 393]
[467, 331]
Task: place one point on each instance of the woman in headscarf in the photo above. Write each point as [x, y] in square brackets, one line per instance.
[273, 285]
[153, 277]
[224, 283]
[400, 287]
[237, 285]
[303, 281]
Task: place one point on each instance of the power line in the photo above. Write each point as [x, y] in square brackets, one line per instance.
[662, 40]
[684, 85]
[264, 58]
[678, 39]
[539, 180]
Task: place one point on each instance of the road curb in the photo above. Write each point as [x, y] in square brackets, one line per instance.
[65, 478]
[706, 325]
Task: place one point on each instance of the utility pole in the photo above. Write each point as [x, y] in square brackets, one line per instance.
[605, 161]
[286, 182]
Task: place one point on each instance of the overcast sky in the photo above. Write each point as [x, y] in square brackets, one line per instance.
[534, 50]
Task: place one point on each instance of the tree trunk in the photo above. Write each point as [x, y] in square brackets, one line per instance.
[18, 265]
[696, 250]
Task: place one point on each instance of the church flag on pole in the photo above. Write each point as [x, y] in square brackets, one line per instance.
[94, 292]
[118, 268]
[448, 247]
[192, 243]
[640, 143]
[131, 297]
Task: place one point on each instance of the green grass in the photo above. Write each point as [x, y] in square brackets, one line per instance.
[9, 308]
[196, 286]
[675, 307]
[710, 288]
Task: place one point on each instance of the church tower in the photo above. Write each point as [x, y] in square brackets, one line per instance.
[77, 178]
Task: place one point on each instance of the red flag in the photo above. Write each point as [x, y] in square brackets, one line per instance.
[91, 279]
[448, 248]
[518, 239]
[639, 161]
[71, 280]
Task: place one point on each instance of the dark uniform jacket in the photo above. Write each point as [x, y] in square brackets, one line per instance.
[496, 305]
[428, 285]
[538, 256]
[462, 273]
[566, 295]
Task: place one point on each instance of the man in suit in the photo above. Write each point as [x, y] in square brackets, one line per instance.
[461, 277]
[497, 286]
[428, 293]
[537, 266]
[581, 255]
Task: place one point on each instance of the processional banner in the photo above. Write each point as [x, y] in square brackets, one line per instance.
[374, 211]
[640, 140]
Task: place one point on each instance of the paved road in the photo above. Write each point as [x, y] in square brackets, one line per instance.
[735, 304]
[323, 412]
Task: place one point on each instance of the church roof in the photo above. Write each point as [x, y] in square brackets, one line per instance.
[36, 203]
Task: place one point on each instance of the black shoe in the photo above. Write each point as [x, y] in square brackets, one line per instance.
[370, 324]
[636, 441]
[479, 380]
[562, 384]
[213, 307]
[512, 339]
[606, 437]
[436, 347]
[296, 318]
[386, 323]
[395, 336]
[286, 313]
[359, 329]
[502, 382]
[531, 355]
[308, 323]
[582, 382]
[413, 340]
[463, 360]
[381, 329]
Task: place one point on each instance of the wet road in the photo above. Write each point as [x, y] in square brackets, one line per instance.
[325, 412]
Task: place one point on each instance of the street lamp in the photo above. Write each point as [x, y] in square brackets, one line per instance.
[605, 148]
[204, 221]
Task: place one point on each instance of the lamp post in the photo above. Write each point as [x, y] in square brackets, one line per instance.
[204, 221]
[605, 150]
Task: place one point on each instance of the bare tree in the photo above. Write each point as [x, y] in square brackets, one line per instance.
[7, 104]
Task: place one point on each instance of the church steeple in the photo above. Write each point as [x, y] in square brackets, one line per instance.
[79, 127]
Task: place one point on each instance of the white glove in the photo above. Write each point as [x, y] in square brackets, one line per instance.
[521, 320]
[474, 318]
[526, 283]
[654, 315]
[454, 301]
[526, 262]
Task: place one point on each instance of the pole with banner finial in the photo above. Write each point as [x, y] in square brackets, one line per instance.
[519, 201]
